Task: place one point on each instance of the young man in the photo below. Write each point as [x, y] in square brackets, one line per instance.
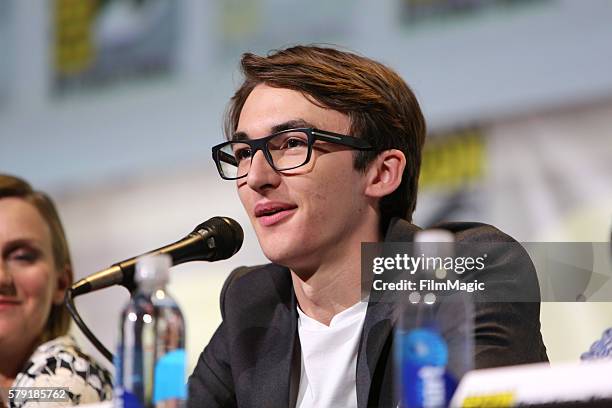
[325, 149]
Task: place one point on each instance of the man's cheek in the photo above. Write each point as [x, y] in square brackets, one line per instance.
[244, 200]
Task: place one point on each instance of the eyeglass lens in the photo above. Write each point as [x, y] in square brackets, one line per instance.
[287, 150]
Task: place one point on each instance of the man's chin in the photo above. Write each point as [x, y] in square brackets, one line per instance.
[275, 257]
[279, 252]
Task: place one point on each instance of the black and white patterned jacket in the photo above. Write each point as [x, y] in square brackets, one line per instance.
[61, 363]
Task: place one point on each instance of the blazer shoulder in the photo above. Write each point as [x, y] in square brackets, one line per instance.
[249, 284]
[475, 232]
[466, 231]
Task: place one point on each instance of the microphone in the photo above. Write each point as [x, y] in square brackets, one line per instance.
[213, 240]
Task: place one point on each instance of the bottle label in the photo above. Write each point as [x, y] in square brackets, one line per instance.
[126, 399]
[422, 359]
[170, 376]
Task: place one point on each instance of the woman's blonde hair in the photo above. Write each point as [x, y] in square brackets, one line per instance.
[58, 322]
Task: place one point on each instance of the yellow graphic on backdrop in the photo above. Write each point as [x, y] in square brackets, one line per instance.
[453, 159]
[74, 48]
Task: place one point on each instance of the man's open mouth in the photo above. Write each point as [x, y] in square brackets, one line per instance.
[271, 213]
[268, 210]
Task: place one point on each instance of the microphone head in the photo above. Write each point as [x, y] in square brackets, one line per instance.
[226, 235]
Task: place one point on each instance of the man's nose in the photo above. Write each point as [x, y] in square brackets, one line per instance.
[261, 174]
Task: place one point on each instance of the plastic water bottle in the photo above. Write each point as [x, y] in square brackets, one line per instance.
[150, 362]
[434, 336]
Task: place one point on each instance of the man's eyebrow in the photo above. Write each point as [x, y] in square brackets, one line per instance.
[290, 124]
[239, 136]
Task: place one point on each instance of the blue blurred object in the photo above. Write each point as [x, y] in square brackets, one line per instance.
[602, 348]
[422, 360]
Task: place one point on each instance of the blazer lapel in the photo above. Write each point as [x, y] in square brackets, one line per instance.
[379, 322]
[273, 372]
[377, 328]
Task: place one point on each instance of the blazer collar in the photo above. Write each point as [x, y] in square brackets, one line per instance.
[379, 321]
[278, 375]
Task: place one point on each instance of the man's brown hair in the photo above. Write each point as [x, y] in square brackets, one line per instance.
[381, 107]
[58, 321]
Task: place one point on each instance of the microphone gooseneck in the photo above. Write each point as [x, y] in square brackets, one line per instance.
[213, 240]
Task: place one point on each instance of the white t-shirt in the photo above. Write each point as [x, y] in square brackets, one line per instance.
[329, 358]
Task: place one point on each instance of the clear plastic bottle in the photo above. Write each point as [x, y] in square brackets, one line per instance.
[150, 363]
[434, 338]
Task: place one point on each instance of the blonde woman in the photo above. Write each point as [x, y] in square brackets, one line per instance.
[35, 271]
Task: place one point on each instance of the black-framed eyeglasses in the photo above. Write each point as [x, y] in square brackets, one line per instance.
[285, 150]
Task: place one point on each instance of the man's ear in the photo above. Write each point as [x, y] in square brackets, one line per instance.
[63, 282]
[384, 174]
